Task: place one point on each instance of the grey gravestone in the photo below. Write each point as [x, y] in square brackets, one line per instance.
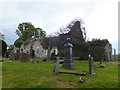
[32, 54]
[91, 66]
[48, 54]
[114, 54]
[11, 56]
[68, 62]
[55, 71]
[53, 56]
[17, 55]
[23, 56]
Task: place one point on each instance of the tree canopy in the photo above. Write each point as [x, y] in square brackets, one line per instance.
[26, 30]
[3, 46]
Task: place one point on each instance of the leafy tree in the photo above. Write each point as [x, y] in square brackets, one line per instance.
[40, 33]
[25, 30]
[3, 48]
[18, 42]
[98, 42]
[97, 48]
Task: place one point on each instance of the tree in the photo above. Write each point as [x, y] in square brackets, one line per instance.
[40, 33]
[18, 42]
[25, 30]
[3, 48]
[97, 48]
[98, 42]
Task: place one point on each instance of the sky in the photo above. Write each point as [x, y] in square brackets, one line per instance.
[100, 17]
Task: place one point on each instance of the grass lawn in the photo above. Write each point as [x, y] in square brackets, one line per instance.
[0, 75]
[18, 74]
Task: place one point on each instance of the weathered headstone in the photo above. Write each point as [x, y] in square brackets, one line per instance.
[68, 62]
[32, 54]
[48, 54]
[11, 56]
[14, 56]
[17, 55]
[53, 55]
[114, 54]
[91, 66]
[23, 56]
[55, 71]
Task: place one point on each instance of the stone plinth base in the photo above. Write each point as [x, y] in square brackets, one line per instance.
[68, 65]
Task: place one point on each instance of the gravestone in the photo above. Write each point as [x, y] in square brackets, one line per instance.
[68, 62]
[23, 56]
[91, 66]
[114, 56]
[11, 56]
[17, 55]
[53, 55]
[32, 54]
[14, 56]
[55, 71]
[48, 57]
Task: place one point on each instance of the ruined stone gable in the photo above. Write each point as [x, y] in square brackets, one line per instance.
[76, 33]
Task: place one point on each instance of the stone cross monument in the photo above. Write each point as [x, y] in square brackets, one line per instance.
[68, 62]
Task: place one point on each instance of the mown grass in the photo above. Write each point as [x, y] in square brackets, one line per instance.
[18, 74]
[0, 75]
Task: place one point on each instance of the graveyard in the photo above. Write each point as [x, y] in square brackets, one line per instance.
[18, 74]
[37, 61]
[59, 44]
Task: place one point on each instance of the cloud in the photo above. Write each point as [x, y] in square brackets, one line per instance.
[103, 22]
[63, 18]
[100, 16]
[51, 0]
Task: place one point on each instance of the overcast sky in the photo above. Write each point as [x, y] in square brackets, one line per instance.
[100, 16]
